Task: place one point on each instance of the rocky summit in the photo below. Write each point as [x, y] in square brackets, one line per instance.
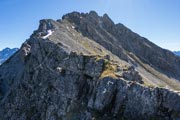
[86, 67]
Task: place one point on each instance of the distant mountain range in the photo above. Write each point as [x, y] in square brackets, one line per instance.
[6, 53]
[177, 53]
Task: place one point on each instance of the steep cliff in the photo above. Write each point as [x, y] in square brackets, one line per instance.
[85, 67]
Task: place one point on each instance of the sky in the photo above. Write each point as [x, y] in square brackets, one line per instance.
[156, 20]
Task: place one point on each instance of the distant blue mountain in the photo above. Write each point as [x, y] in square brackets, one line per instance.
[6, 53]
[177, 53]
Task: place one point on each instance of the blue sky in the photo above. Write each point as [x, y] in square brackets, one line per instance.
[157, 20]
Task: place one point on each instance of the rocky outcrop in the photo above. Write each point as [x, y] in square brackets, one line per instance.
[67, 76]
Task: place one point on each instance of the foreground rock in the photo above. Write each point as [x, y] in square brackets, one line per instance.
[66, 76]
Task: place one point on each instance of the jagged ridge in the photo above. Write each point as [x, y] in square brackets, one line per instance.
[78, 68]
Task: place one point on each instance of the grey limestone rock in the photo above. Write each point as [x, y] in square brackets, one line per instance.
[82, 71]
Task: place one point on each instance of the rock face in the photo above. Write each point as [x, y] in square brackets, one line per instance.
[85, 67]
[6, 53]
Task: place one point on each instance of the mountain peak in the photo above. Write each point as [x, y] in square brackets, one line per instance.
[86, 67]
[107, 18]
[93, 13]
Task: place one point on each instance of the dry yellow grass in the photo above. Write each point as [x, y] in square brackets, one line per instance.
[109, 70]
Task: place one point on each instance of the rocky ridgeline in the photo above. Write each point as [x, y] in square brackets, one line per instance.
[77, 68]
[121, 40]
